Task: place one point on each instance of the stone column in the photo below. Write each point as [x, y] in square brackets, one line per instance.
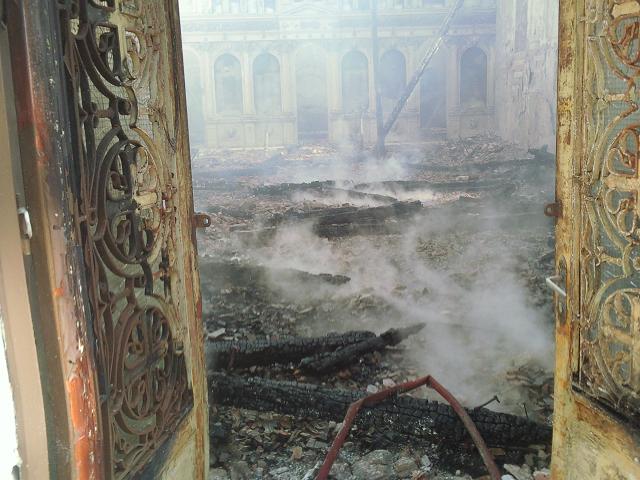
[209, 57]
[287, 81]
[247, 95]
[372, 91]
[247, 83]
[334, 81]
[453, 91]
[288, 94]
[491, 70]
[334, 93]
[208, 85]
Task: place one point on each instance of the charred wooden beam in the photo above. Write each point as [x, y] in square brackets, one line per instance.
[370, 215]
[343, 215]
[410, 416]
[349, 220]
[407, 186]
[364, 221]
[244, 354]
[352, 229]
[327, 188]
[349, 355]
[315, 354]
[222, 273]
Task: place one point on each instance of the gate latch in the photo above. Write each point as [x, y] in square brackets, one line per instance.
[201, 220]
[551, 283]
[558, 283]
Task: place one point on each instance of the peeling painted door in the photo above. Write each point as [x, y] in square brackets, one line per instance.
[597, 411]
[104, 148]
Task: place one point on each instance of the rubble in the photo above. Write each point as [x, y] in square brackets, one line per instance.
[519, 472]
[451, 198]
[407, 416]
[405, 467]
[218, 474]
[376, 465]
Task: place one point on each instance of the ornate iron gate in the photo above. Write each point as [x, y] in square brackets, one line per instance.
[597, 422]
[126, 208]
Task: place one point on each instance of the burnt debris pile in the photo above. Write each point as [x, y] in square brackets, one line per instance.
[327, 276]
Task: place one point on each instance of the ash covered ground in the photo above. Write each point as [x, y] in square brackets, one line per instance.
[314, 240]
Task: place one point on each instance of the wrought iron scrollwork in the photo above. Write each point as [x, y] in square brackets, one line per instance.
[608, 370]
[124, 195]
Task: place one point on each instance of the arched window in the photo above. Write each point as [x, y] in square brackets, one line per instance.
[228, 82]
[349, 5]
[393, 73]
[266, 84]
[473, 78]
[311, 94]
[355, 82]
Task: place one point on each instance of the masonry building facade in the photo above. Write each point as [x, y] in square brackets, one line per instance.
[266, 73]
[282, 72]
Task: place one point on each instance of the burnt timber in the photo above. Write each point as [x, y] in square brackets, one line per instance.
[406, 415]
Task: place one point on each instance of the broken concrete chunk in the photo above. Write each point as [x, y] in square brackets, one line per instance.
[404, 466]
[216, 334]
[218, 474]
[239, 470]
[276, 472]
[519, 473]
[379, 457]
[387, 382]
[296, 453]
[530, 459]
[544, 474]
[374, 466]
[425, 463]
[341, 471]
[316, 444]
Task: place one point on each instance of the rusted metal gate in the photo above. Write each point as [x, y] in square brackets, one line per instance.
[597, 417]
[104, 151]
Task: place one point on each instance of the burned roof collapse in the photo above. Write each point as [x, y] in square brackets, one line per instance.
[431, 235]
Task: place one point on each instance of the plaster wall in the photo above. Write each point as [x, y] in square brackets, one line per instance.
[526, 68]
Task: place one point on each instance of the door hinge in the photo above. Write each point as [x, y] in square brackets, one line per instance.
[201, 220]
[553, 210]
[24, 221]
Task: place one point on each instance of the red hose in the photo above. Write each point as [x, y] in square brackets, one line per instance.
[378, 397]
